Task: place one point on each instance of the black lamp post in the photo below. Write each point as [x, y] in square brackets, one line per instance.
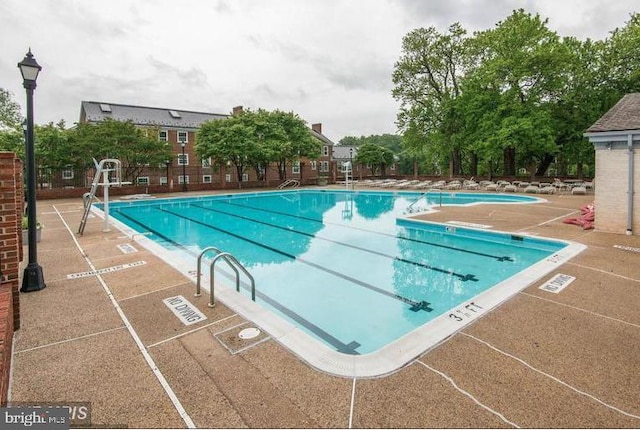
[351, 160]
[167, 163]
[184, 173]
[32, 278]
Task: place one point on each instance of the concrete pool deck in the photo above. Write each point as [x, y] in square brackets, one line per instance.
[570, 359]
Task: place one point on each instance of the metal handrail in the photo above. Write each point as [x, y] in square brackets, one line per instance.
[233, 263]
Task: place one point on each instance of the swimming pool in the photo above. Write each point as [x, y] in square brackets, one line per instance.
[347, 268]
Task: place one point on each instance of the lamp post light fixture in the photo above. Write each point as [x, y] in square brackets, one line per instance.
[32, 278]
[184, 173]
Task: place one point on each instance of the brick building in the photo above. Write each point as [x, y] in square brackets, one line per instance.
[616, 139]
[178, 128]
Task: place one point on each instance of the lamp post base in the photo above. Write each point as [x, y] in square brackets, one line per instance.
[32, 278]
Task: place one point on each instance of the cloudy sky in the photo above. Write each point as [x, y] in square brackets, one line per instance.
[330, 61]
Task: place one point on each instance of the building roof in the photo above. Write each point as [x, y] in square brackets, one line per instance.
[92, 111]
[343, 152]
[624, 115]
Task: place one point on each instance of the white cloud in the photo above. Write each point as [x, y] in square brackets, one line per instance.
[330, 61]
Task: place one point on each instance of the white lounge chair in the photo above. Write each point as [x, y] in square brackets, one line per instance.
[548, 189]
[581, 190]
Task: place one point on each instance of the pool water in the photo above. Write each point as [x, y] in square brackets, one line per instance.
[347, 268]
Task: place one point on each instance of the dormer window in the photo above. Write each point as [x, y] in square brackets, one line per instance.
[104, 107]
[174, 114]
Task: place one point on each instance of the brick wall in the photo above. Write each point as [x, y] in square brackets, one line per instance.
[612, 183]
[11, 209]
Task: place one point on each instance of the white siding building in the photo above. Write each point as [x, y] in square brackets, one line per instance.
[616, 139]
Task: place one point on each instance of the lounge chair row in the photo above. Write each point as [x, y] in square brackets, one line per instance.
[470, 184]
[420, 185]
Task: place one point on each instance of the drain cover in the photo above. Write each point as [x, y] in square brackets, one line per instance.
[249, 333]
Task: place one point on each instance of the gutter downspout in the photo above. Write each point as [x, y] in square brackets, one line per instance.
[630, 186]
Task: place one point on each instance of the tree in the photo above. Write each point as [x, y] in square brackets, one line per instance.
[296, 141]
[229, 141]
[427, 81]
[257, 138]
[521, 72]
[10, 117]
[376, 156]
[136, 148]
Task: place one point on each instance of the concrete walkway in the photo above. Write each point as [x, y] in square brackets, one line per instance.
[540, 360]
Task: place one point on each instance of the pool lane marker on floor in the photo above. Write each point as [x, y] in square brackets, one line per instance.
[340, 346]
[467, 277]
[438, 245]
[415, 306]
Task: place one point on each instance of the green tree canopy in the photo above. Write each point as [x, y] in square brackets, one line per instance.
[257, 138]
[376, 156]
[135, 147]
[10, 117]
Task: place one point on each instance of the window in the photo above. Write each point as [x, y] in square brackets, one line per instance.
[392, 167]
[174, 114]
[142, 180]
[325, 151]
[313, 164]
[227, 177]
[67, 174]
[206, 179]
[163, 135]
[183, 136]
[206, 162]
[183, 179]
[324, 166]
[104, 107]
[295, 167]
[245, 177]
[183, 160]
[163, 180]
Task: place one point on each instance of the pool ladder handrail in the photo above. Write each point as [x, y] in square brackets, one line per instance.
[232, 262]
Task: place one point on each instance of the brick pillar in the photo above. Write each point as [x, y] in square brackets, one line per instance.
[11, 209]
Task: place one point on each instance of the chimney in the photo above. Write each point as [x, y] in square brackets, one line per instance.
[237, 110]
[317, 128]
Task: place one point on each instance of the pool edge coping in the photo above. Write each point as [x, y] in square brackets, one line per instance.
[396, 354]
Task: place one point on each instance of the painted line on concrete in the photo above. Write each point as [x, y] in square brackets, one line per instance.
[232, 327]
[151, 292]
[466, 393]
[264, 339]
[604, 271]
[69, 340]
[524, 363]
[582, 310]
[154, 368]
[191, 331]
[353, 402]
[63, 212]
[550, 221]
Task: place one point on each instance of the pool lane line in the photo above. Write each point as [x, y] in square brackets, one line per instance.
[453, 248]
[346, 348]
[468, 277]
[415, 306]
